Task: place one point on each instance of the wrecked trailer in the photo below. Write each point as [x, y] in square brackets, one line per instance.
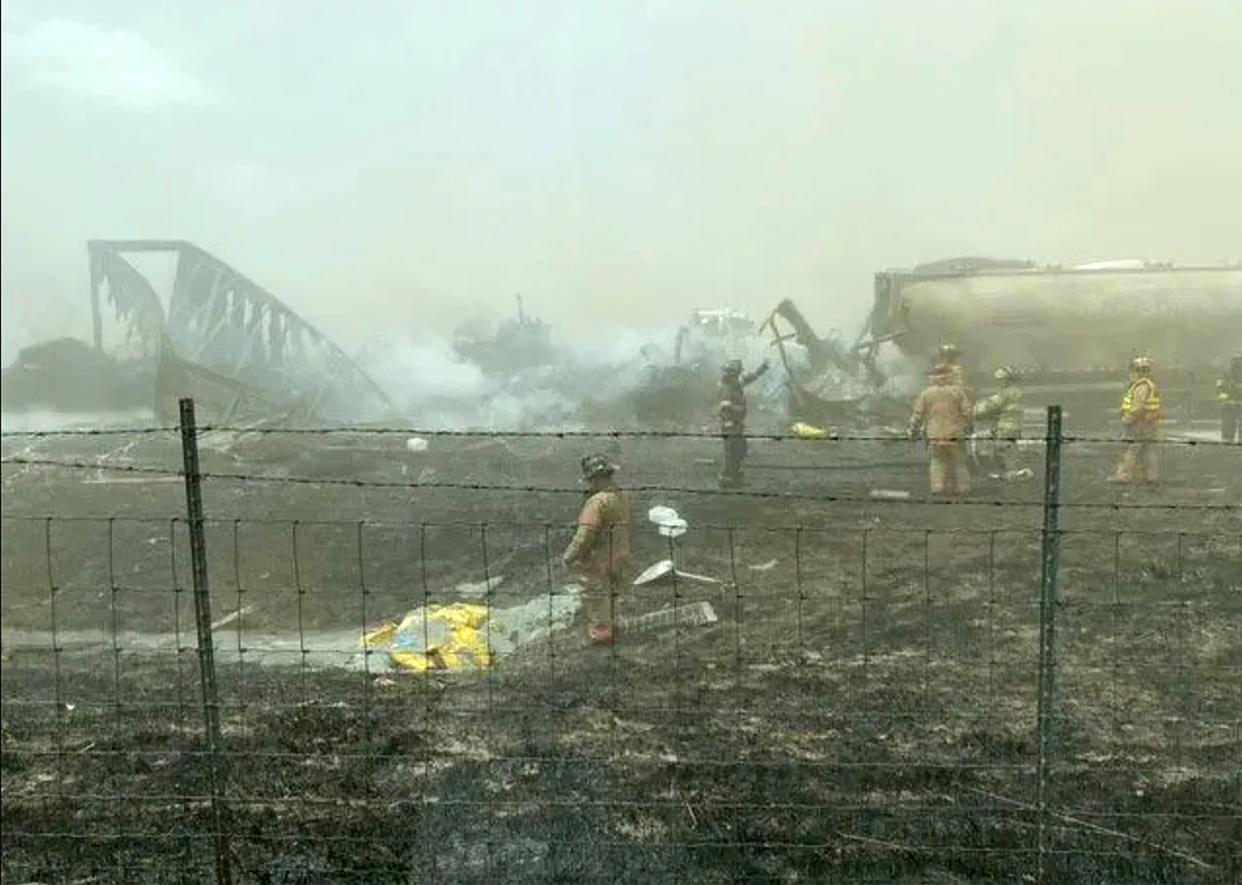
[1071, 332]
[827, 383]
[223, 339]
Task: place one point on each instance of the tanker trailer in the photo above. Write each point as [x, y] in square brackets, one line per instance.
[1071, 332]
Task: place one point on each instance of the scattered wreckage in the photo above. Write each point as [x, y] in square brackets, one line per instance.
[246, 356]
[517, 343]
[828, 383]
[1070, 332]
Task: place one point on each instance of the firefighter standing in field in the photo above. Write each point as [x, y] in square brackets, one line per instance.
[1229, 395]
[1140, 419]
[599, 553]
[1002, 414]
[942, 414]
[732, 410]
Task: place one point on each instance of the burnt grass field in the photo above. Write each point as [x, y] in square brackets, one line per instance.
[863, 709]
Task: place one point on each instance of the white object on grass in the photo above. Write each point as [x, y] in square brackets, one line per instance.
[889, 494]
[693, 615]
[663, 572]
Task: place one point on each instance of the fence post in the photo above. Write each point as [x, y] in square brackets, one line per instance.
[202, 621]
[1050, 548]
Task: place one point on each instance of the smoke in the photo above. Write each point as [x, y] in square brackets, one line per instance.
[585, 380]
[414, 370]
[388, 163]
[431, 385]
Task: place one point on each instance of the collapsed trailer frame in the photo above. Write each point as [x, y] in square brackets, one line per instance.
[220, 321]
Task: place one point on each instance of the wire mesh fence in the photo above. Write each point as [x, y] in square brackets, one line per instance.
[794, 700]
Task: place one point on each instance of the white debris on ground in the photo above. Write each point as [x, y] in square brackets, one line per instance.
[696, 614]
[664, 572]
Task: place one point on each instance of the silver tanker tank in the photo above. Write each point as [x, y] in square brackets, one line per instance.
[1063, 321]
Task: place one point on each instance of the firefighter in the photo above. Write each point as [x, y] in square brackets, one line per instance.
[732, 411]
[1001, 413]
[942, 414]
[951, 359]
[1229, 395]
[599, 553]
[1140, 419]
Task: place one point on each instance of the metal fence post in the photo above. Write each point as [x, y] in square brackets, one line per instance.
[1050, 551]
[202, 621]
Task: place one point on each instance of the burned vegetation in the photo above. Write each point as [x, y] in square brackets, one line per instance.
[825, 674]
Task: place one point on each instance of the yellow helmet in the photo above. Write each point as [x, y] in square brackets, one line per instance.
[1141, 364]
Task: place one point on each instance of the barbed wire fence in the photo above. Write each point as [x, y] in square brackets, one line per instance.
[882, 704]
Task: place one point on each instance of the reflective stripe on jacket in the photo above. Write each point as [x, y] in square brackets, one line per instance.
[1003, 410]
[1142, 401]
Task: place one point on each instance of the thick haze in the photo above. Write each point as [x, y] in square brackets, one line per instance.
[385, 166]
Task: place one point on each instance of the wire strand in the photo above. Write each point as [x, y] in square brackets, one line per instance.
[575, 490]
[618, 433]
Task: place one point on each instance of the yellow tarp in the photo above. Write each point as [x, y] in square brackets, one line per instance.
[439, 637]
[803, 430]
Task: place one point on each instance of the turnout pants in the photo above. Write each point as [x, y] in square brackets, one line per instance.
[948, 469]
[599, 601]
[734, 454]
[1138, 460]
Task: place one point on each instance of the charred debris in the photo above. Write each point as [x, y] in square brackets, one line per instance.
[248, 358]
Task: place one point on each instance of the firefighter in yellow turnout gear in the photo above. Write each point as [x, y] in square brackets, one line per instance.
[599, 553]
[942, 414]
[1001, 414]
[1002, 411]
[1140, 418]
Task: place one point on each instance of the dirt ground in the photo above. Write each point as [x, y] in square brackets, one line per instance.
[863, 709]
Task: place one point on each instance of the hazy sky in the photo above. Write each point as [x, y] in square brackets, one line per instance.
[385, 165]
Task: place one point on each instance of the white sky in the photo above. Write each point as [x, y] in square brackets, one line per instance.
[385, 166]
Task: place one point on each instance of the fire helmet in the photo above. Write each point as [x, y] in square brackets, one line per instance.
[595, 466]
